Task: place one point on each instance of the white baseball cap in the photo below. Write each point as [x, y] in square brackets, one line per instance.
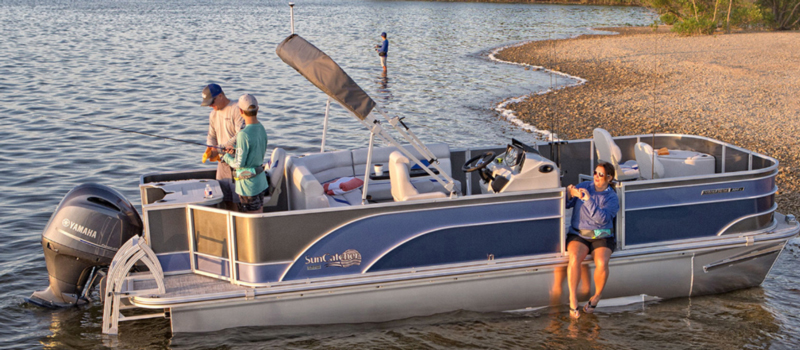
[248, 103]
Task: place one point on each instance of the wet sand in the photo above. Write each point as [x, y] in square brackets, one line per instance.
[739, 88]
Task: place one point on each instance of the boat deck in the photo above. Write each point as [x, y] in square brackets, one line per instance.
[185, 285]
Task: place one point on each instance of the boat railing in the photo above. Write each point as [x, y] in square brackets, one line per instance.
[260, 249]
[737, 198]
[211, 239]
[741, 199]
[728, 158]
[674, 210]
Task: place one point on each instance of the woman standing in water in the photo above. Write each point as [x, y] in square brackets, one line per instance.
[595, 205]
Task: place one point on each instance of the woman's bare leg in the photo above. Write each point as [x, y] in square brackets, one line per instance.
[577, 252]
[601, 257]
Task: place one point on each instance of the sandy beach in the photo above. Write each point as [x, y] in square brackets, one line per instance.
[739, 88]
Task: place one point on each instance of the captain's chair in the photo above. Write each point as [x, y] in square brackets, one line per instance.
[608, 151]
[402, 189]
[275, 171]
[648, 162]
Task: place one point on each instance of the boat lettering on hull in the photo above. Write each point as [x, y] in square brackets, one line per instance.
[721, 190]
[350, 257]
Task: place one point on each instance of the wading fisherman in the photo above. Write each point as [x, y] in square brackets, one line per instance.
[251, 147]
[383, 50]
[224, 122]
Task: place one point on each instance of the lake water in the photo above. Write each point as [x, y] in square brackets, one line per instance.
[141, 65]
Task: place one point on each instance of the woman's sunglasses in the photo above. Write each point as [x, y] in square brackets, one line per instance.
[600, 174]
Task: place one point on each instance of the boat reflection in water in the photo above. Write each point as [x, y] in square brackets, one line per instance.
[479, 229]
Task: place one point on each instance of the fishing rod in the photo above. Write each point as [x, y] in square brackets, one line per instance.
[140, 133]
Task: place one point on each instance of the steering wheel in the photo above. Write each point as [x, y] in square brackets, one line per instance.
[479, 162]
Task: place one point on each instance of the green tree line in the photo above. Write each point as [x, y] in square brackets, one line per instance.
[705, 16]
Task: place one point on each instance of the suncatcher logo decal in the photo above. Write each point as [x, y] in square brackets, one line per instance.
[350, 257]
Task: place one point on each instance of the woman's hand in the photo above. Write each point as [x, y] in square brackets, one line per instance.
[583, 194]
[572, 192]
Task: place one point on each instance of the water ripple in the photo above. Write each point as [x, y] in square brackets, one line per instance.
[140, 65]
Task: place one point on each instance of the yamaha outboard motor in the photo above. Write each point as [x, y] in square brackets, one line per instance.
[85, 232]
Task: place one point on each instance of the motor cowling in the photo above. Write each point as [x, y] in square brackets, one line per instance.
[90, 224]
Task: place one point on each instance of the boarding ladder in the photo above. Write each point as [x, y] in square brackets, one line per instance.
[119, 287]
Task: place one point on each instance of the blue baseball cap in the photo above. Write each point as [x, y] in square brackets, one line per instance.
[383, 34]
[209, 92]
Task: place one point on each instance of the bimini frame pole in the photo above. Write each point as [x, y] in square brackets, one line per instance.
[291, 15]
[369, 164]
[325, 125]
[375, 128]
[409, 135]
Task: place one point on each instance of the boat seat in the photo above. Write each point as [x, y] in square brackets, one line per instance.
[402, 189]
[674, 163]
[305, 176]
[381, 190]
[275, 169]
[648, 162]
[608, 151]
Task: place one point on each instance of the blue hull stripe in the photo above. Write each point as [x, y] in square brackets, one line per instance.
[690, 221]
[475, 243]
[213, 265]
[374, 236]
[658, 197]
[174, 261]
[260, 273]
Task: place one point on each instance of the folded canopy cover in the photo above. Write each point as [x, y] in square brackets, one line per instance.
[325, 74]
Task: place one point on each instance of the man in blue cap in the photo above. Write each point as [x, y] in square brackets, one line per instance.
[223, 124]
[383, 50]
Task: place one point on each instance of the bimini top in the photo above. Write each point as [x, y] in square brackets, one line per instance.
[325, 74]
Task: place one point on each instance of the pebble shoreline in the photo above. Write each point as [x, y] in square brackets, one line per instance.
[739, 88]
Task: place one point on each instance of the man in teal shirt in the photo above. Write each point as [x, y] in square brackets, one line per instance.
[251, 146]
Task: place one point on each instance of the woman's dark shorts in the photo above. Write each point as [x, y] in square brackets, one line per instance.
[252, 203]
[592, 244]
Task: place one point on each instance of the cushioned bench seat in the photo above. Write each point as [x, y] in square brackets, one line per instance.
[307, 174]
[381, 190]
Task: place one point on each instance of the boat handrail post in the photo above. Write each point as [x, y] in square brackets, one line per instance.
[232, 248]
[591, 156]
[563, 230]
[621, 216]
[325, 125]
[468, 177]
[190, 237]
[724, 148]
[291, 15]
[369, 161]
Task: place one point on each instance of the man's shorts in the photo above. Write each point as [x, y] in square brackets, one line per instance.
[592, 244]
[251, 203]
[226, 183]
